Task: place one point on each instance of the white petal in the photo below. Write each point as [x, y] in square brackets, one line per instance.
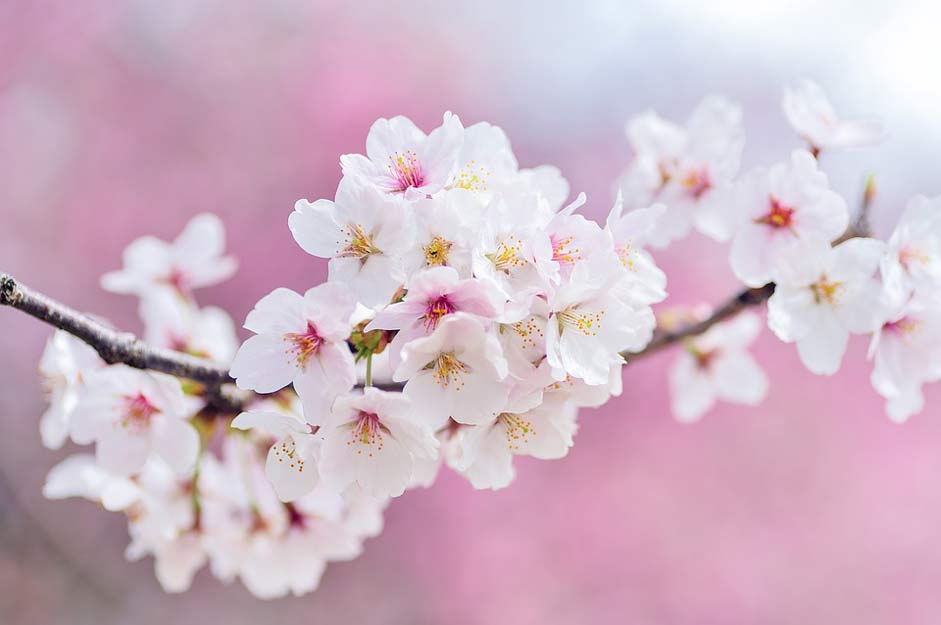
[263, 364]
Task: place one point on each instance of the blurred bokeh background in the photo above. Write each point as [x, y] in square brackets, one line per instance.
[119, 119]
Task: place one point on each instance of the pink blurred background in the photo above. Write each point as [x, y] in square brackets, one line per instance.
[126, 118]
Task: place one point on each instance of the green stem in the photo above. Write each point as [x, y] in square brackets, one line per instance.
[369, 369]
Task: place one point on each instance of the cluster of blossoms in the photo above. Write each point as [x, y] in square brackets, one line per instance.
[470, 311]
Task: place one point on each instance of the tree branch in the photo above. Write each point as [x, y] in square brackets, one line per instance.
[120, 347]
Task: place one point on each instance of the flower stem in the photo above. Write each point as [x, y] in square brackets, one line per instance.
[369, 370]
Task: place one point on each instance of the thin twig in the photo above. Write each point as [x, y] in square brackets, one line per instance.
[120, 347]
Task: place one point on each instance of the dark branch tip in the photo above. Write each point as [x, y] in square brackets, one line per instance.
[7, 290]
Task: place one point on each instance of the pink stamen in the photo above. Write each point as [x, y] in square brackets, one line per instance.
[304, 345]
[436, 309]
[138, 412]
[779, 216]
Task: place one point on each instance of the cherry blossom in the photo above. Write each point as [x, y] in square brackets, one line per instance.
[906, 352]
[912, 261]
[180, 325]
[401, 159]
[717, 365]
[529, 428]
[455, 373]
[291, 465]
[776, 209]
[372, 439]
[588, 324]
[64, 364]
[433, 294]
[823, 294]
[132, 414]
[812, 116]
[194, 260]
[363, 232]
[446, 227]
[300, 340]
[688, 169]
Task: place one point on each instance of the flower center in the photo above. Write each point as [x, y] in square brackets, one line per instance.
[405, 170]
[356, 243]
[904, 327]
[302, 346]
[587, 322]
[367, 431]
[138, 412]
[563, 252]
[779, 216]
[472, 177]
[437, 252]
[517, 429]
[826, 291]
[178, 280]
[909, 256]
[703, 357]
[286, 451]
[449, 370]
[528, 331]
[436, 309]
[507, 256]
[697, 182]
[626, 255]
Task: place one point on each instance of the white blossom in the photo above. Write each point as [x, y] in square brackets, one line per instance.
[300, 340]
[776, 209]
[131, 414]
[812, 116]
[823, 294]
[717, 365]
[194, 260]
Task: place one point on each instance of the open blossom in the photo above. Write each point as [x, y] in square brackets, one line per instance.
[573, 240]
[131, 414]
[541, 429]
[906, 352]
[717, 365]
[912, 262]
[776, 209]
[688, 169]
[276, 548]
[373, 440]
[812, 116]
[446, 227]
[823, 294]
[178, 324]
[159, 507]
[512, 249]
[65, 362]
[194, 260]
[300, 340]
[401, 159]
[456, 373]
[486, 162]
[363, 232]
[291, 464]
[432, 295]
[588, 325]
[644, 282]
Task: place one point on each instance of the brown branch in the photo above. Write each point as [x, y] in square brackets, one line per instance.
[121, 347]
[741, 301]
